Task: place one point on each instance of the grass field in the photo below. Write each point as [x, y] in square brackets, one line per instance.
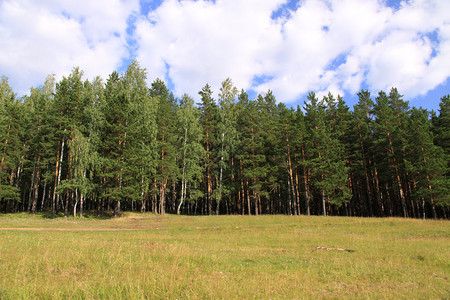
[143, 256]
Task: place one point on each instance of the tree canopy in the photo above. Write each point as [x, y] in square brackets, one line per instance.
[120, 145]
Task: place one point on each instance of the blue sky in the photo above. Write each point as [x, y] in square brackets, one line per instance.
[288, 46]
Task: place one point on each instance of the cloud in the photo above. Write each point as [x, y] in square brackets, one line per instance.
[201, 42]
[413, 55]
[337, 45]
[45, 37]
[290, 47]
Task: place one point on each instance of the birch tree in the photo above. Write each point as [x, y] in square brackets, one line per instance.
[227, 134]
[191, 149]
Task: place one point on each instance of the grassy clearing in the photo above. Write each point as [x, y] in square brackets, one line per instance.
[224, 257]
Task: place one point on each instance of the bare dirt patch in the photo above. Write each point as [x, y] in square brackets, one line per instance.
[69, 229]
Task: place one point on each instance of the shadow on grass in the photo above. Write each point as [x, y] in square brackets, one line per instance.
[93, 215]
[89, 214]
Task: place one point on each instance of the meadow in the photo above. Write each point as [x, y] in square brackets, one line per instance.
[145, 256]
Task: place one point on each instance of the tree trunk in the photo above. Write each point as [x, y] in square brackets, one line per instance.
[292, 190]
[305, 181]
[75, 204]
[183, 191]
[433, 207]
[117, 209]
[289, 207]
[400, 188]
[208, 181]
[44, 195]
[206, 207]
[299, 212]
[36, 184]
[397, 175]
[66, 205]
[59, 160]
[248, 200]
[36, 191]
[220, 176]
[162, 197]
[81, 204]
[242, 191]
[155, 203]
[154, 198]
[369, 190]
[324, 203]
[33, 178]
[228, 201]
[291, 176]
[380, 196]
[255, 196]
[6, 144]
[259, 202]
[423, 208]
[183, 179]
[209, 192]
[143, 193]
[69, 194]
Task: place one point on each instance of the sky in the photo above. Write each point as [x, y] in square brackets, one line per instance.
[291, 47]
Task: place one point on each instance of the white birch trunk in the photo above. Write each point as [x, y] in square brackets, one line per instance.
[183, 180]
[220, 176]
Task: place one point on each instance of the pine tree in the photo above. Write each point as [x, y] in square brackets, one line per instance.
[208, 121]
[269, 134]
[287, 162]
[243, 196]
[140, 151]
[341, 126]
[364, 174]
[251, 153]
[326, 152]
[441, 128]
[391, 119]
[41, 137]
[166, 139]
[425, 161]
[300, 144]
[11, 146]
[114, 139]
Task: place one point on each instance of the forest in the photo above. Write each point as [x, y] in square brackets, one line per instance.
[77, 145]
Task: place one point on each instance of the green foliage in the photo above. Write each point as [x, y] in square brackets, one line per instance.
[11, 141]
[191, 151]
[127, 145]
[326, 154]
[9, 193]
[227, 135]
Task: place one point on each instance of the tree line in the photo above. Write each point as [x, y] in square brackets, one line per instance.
[77, 145]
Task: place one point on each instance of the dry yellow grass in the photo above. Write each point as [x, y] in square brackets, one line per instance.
[141, 256]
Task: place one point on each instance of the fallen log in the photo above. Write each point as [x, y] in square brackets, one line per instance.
[334, 249]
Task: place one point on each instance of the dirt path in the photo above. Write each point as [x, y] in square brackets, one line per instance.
[69, 229]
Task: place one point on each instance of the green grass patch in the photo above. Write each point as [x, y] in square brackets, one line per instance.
[142, 256]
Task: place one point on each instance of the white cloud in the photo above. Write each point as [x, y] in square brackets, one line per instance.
[45, 37]
[319, 45]
[203, 42]
[336, 45]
